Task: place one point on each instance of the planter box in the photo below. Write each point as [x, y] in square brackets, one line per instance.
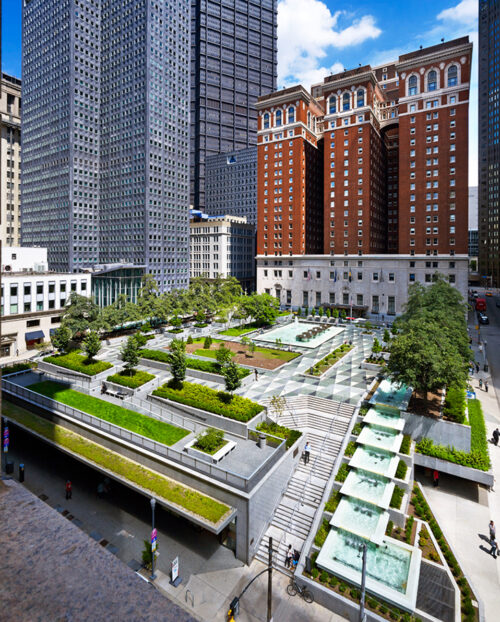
[441, 432]
[214, 458]
[371, 366]
[118, 387]
[72, 375]
[341, 359]
[194, 373]
[481, 477]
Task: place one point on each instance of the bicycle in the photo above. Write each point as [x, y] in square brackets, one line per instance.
[293, 588]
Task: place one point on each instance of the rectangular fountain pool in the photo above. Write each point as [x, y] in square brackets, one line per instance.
[392, 568]
[288, 334]
[368, 487]
[386, 417]
[375, 460]
[392, 394]
[363, 519]
[380, 437]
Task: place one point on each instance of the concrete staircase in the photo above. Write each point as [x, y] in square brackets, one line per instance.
[324, 423]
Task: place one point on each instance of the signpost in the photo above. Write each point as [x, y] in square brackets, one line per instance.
[6, 438]
[175, 579]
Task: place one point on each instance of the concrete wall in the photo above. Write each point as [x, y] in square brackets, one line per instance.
[443, 466]
[441, 432]
[69, 375]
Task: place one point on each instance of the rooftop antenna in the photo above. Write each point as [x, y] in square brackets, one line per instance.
[420, 47]
[442, 39]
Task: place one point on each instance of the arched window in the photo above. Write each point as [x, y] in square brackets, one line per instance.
[278, 118]
[432, 80]
[332, 105]
[412, 85]
[346, 101]
[452, 75]
[291, 115]
[360, 98]
[266, 121]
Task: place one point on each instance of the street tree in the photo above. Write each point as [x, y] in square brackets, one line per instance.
[231, 377]
[91, 344]
[263, 308]
[177, 361]
[130, 353]
[80, 314]
[61, 338]
[223, 355]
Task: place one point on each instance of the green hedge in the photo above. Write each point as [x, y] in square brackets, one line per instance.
[159, 485]
[322, 533]
[78, 362]
[332, 503]
[350, 449]
[342, 473]
[401, 470]
[140, 424]
[329, 360]
[454, 405]
[218, 402]
[280, 431]
[240, 330]
[478, 457]
[12, 369]
[397, 497]
[405, 445]
[191, 363]
[132, 379]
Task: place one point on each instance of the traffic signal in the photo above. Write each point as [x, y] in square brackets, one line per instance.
[234, 609]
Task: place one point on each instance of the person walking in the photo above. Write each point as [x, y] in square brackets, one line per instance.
[496, 436]
[480, 383]
[435, 477]
[288, 556]
[486, 386]
[256, 374]
[493, 530]
[477, 368]
[307, 452]
[494, 548]
[69, 489]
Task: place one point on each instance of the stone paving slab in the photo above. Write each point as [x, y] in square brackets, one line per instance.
[52, 571]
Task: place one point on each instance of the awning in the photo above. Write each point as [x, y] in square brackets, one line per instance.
[35, 334]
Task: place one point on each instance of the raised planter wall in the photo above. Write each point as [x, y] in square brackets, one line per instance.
[238, 428]
[193, 373]
[441, 432]
[443, 466]
[75, 376]
[119, 387]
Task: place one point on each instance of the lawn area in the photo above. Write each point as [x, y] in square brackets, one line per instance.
[135, 422]
[78, 362]
[159, 485]
[329, 360]
[237, 331]
[131, 379]
[268, 358]
[218, 402]
[192, 363]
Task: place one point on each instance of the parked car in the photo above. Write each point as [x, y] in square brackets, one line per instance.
[498, 303]
[483, 319]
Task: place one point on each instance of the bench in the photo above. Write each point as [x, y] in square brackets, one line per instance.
[118, 394]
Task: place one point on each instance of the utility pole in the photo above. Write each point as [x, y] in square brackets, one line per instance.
[270, 583]
[362, 616]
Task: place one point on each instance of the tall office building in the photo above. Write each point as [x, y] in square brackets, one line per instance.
[233, 61]
[105, 132]
[10, 160]
[489, 141]
[371, 169]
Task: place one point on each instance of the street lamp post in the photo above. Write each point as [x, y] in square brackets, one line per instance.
[153, 538]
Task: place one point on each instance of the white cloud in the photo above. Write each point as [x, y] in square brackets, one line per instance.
[465, 12]
[306, 31]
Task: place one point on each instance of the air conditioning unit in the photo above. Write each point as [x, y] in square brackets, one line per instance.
[39, 267]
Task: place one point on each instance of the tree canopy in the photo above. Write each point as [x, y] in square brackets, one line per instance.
[263, 308]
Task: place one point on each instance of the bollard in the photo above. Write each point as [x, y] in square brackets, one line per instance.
[21, 472]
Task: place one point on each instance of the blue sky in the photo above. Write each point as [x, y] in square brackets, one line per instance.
[318, 37]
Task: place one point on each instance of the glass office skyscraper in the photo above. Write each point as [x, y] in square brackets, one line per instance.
[105, 132]
[233, 61]
[489, 141]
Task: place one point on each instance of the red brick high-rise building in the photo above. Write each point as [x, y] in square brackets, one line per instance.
[372, 169]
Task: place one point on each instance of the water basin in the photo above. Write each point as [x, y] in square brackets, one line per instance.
[363, 519]
[368, 487]
[385, 417]
[384, 438]
[288, 334]
[375, 460]
[392, 394]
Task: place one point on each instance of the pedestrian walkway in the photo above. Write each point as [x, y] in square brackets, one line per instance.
[324, 429]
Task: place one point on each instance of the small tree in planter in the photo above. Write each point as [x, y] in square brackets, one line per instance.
[328, 313]
[251, 347]
[335, 313]
[176, 322]
[278, 404]
[306, 311]
[207, 342]
[321, 312]
[313, 311]
[343, 314]
[209, 441]
[368, 325]
[91, 344]
[130, 353]
[189, 340]
[231, 377]
[147, 556]
[177, 361]
[223, 355]
[61, 338]
[387, 336]
[377, 347]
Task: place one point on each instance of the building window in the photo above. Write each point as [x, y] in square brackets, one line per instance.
[432, 80]
[346, 101]
[266, 121]
[360, 98]
[359, 300]
[412, 85]
[291, 115]
[452, 75]
[278, 118]
[391, 277]
[332, 298]
[375, 304]
[332, 105]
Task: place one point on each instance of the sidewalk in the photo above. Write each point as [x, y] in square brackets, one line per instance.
[464, 510]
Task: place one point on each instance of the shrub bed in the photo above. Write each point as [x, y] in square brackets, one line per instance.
[329, 360]
[350, 449]
[131, 379]
[280, 431]
[405, 445]
[159, 485]
[12, 369]
[241, 330]
[478, 457]
[357, 429]
[78, 362]
[135, 422]
[401, 470]
[210, 441]
[342, 473]
[333, 501]
[454, 405]
[191, 363]
[397, 498]
[175, 331]
[218, 402]
[322, 533]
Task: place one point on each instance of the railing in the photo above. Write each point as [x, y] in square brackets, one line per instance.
[245, 483]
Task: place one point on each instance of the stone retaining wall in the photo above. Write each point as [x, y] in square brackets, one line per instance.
[441, 432]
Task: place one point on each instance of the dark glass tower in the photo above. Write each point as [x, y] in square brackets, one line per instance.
[233, 61]
[489, 141]
[105, 134]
